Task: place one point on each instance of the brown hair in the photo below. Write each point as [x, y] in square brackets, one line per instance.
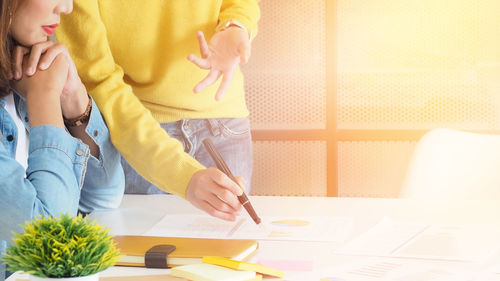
[6, 42]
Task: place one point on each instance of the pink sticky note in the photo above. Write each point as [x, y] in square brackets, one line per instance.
[288, 265]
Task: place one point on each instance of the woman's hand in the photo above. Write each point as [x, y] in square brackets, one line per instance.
[72, 101]
[27, 61]
[215, 193]
[49, 82]
[221, 56]
[42, 92]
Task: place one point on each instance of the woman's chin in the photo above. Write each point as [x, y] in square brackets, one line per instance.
[40, 39]
[33, 41]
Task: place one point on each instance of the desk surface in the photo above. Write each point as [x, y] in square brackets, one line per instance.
[138, 213]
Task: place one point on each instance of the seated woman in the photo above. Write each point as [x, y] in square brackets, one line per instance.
[55, 151]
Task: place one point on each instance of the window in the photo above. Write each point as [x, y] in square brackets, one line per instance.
[343, 89]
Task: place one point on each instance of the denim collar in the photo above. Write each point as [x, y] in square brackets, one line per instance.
[21, 109]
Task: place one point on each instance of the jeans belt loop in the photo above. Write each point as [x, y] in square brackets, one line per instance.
[214, 127]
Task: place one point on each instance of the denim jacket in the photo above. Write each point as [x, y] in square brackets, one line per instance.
[62, 176]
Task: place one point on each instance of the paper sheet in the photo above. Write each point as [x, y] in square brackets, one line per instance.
[412, 240]
[491, 273]
[377, 269]
[313, 228]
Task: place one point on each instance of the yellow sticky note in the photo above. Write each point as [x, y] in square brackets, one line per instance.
[210, 272]
[241, 265]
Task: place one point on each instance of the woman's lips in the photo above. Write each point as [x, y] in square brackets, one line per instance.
[50, 29]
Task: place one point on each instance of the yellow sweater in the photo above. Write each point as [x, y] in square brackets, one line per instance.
[131, 56]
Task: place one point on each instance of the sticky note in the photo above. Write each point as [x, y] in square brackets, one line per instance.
[241, 265]
[210, 272]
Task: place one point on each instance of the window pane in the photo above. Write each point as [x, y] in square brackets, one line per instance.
[295, 168]
[285, 78]
[418, 64]
[373, 168]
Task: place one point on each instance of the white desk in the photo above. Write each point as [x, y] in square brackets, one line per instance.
[138, 213]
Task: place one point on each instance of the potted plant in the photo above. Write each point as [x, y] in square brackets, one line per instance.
[64, 248]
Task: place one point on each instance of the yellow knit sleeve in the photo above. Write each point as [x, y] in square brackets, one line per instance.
[135, 133]
[246, 12]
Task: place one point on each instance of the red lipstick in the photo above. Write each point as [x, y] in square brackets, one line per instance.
[50, 29]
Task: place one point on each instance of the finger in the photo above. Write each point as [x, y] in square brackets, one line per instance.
[221, 205]
[241, 182]
[17, 61]
[34, 56]
[244, 50]
[211, 78]
[201, 63]
[61, 59]
[50, 55]
[205, 206]
[225, 182]
[229, 199]
[224, 85]
[204, 51]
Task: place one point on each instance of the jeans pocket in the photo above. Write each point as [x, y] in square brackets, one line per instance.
[235, 128]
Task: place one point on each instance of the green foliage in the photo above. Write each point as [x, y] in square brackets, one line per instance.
[62, 247]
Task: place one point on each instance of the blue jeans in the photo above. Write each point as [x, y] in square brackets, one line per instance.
[230, 136]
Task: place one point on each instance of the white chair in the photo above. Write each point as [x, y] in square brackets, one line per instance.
[450, 164]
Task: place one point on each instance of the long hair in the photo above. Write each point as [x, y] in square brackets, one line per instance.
[6, 42]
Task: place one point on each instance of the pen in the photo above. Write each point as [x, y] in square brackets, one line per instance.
[221, 165]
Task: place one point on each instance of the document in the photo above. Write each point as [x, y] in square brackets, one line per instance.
[313, 228]
[490, 274]
[412, 240]
[378, 269]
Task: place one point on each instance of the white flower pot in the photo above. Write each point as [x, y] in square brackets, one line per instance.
[93, 277]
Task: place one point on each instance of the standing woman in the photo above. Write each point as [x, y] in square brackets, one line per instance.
[55, 151]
